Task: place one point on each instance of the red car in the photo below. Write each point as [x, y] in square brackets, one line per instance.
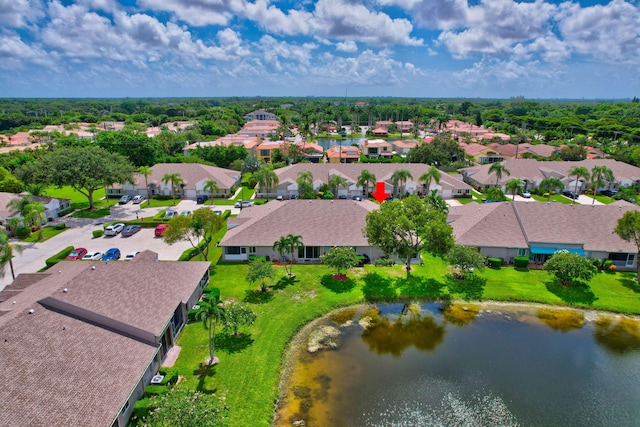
[76, 254]
[161, 229]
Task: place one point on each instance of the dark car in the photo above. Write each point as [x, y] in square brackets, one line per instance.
[112, 254]
[201, 199]
[342, 197]
[124, 199]
[570, 194]
[130, 230]
[609, 193]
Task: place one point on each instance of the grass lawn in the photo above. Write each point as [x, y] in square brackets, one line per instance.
[251, 363]
[554, 198]
[101, 208]
[154, 203]
[47, 233]
[78, 201]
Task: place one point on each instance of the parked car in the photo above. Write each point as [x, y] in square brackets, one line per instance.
[138, 199]
[170, 214]
[112, 254]
[76, 254]
[92, 256]
[609, 193]
[570, 194]
[293, 196]
[124, 199]
[131, 255]
[526, 195]
[130, 230]
[185, 213]
[201, 199]
[243, 204]
[342, 197]
[161, 229]
[357, 198]
[113, 229]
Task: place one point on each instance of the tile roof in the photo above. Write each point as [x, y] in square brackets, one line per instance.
[319, 222]
[191, 173]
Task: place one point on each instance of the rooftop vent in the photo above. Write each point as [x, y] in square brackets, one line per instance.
[32, 311]
[65, 290]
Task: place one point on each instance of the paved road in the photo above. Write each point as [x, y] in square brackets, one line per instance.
[33, 256]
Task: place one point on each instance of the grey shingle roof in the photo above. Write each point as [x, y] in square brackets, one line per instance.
[191, 173]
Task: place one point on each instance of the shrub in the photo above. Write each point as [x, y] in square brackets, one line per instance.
[97, 233]
[495, 262]
[191, 315]
[597, 263]
[607, 264]
[612, 268]
[226, 214]
[65, 211]
[211, 291]
[23, 232]
[60, 226]
[521, 261]
[384, 262]
[58, 257]
[155, 390]
[141, 409]
[162, 197]
[160, 214]
[170, 376]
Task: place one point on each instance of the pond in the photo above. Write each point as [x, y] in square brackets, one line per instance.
[330, 142]
[464, 364]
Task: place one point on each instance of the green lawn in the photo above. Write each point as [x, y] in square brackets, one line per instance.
[47, 233]
[251, 364]
[78, 200]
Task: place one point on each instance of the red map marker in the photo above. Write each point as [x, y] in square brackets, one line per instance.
[380, 195]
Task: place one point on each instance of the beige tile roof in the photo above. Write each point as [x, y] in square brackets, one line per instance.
[319, 222]
[191, 173]
[59, 371]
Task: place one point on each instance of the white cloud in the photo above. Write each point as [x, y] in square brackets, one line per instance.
[441, 14]
[610, 32]
[497, 73]
[20, 13]
[197, 12]
[16, 54]
[275, 21]
[347, 46]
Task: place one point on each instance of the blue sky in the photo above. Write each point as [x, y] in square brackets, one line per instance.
[414, 48]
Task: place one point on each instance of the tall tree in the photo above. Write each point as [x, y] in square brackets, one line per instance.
[305, 185]
[85, 169]
[628, 228]
[288, 244]
[7, 250]
[550, 184]
[175, 180]
[267, 179]
[578, 172]
[600, 176]
[337, 181]
[569, 267]
[211, 186]
[399, 180]
[433, 174]
[514, 186]
[146, 172]
[499, 169]
[211, 312]
[406, 227]
[199, 226]
[365, 179]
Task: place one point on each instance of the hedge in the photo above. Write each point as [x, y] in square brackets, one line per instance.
[495, 262]
[58, 257]
[59, 226]
[384, 262]
[23, 232]
[191, 252]
[97, 233]
[521, 261]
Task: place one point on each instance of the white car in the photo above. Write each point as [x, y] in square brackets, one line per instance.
[138, 199]
[113, 229]
[131, 255]
[92, 256]
[243, 204]
[526, 195]
[170, 214]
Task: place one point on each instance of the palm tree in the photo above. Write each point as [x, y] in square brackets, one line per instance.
[267, 179]
[305, 184]
[578, 172]
[365, 179]
[514, 185]
[7, 251]
[288, 244]
[432, 174]
[499, 169]
[146, 172]
[211, 186]
[600, 176]
[30, 210]
[550, 184]
[282, 247]
[337, 181]
[399, 179]
[175, 179]
[211, 311]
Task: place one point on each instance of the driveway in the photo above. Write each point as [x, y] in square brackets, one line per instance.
[79, 234]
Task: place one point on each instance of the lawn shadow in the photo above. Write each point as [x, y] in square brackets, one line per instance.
[253, 296]
[469, 288]
[521, 269]
[284, 282]
[378, 288]
[631, 284]
[577, 293]
[231, 343]
[337, 286]
[203, 372]
[420, 287]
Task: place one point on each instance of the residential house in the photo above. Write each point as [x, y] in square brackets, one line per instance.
[404, 126]
[537, 230]
[481, 154]
[80, 343]
[375, 148]
[194, 177]
[248, 142]
[449, 186]
[343, 154]
[265, 149]
[5, 212]
[383, 124]
[322, 224]
[260, 115]
[380, 131]
[258, 129]
[52, 206]
[402, 147]
[532, 172]
[311, 151]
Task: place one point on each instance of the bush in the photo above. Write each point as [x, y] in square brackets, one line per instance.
[210, 291]
[60, 226]
[64, 212]
[58, 257]
[191, 315]
[170, 376]
[597, 263]
[23, 232]
[141, 409]
[226, 214]
[521, 261]
[97, 233]
[606, 265]
[384, 262]
[155, 390]
[495, 262]
[162, 197]
[160, 214]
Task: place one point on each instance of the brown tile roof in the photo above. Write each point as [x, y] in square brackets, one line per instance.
[59, 371]
[319, 222]
[343, 152]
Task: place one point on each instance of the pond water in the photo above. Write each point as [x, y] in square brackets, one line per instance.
[464, 364]
[330, 142]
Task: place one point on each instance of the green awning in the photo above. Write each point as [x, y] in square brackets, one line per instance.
[544, 250]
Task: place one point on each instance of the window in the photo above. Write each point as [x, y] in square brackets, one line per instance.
[265, 153]
[252, 249]
[309, 252]
[232, 250]
[522, 252]
[125, 408]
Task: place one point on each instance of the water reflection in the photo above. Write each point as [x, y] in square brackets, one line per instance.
[562, 320]
[621, 336]
[411, 328]
[460, 314]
